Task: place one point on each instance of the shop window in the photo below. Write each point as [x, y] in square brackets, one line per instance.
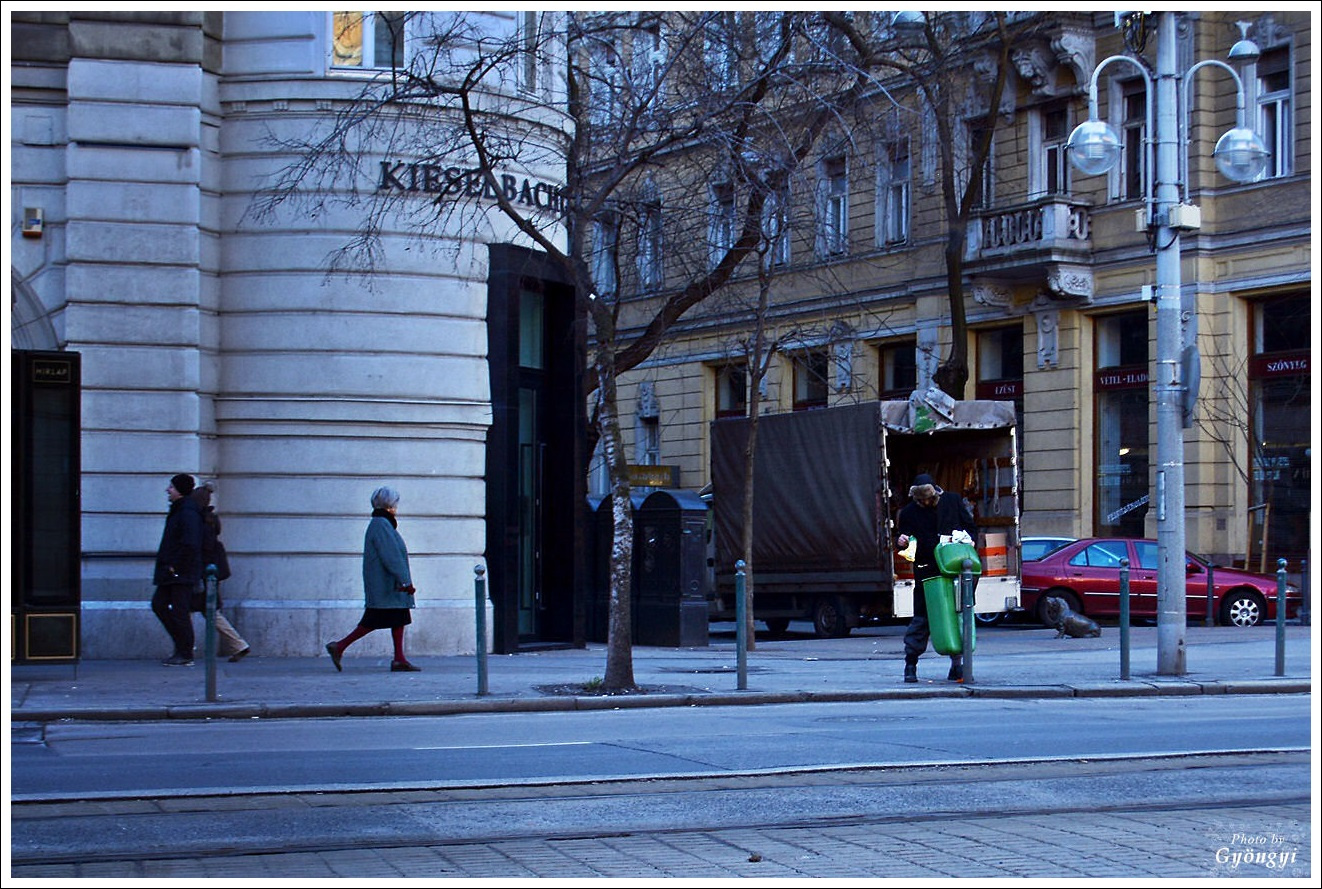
[1281, 420]
[1001, 375]
[1001, 366]
[1121, 399]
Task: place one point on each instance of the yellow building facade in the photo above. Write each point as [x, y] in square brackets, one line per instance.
[1058, 274]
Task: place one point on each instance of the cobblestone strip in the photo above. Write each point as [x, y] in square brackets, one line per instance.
[1253, 842]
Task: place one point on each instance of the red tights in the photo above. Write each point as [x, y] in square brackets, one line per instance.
[396, 635]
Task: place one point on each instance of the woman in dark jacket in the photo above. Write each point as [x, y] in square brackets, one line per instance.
[387, 584]
[179, 569]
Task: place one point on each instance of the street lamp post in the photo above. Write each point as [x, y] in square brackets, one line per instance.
[1094, 148]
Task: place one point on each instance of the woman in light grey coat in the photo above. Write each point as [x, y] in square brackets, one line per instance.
[387, 584]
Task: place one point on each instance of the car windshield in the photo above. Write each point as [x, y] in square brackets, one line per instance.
[1034, 549]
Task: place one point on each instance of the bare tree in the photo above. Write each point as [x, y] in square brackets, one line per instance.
[951, 66]
[631, 93]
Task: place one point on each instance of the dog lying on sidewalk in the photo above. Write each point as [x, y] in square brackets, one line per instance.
[1066, 621]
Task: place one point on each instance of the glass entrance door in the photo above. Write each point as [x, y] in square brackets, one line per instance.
[529, 581]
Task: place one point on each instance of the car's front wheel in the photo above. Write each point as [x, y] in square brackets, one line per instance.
[1243, 608]
[990, 620]
[1071, 601]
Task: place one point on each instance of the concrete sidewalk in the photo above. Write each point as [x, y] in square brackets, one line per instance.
[1010, 661]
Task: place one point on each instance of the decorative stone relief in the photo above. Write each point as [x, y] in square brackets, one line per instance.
[648, 405]
[992, 293]
[927, 354]
[1267, 32]
[844, 366]
[1048, 343]
[1070, 282]
[1036, 69]
[1077, 49]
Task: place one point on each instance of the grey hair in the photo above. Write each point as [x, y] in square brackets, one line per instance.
[384, 498]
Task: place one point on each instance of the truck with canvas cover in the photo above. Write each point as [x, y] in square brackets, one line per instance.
[827, 485]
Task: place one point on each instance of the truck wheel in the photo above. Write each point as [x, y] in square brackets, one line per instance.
[990, 620]
[777, 626]
[828, 617]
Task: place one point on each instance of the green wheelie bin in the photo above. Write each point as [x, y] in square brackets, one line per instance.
[942, 593]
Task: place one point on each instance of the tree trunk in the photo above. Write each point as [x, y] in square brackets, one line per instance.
[953, 373]
[619, 635]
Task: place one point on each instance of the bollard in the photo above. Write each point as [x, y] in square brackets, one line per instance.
[1211, 596]
[966, 597]
[741, 623]
[1305, 606]
[1124, 618]
[480, 603]
[212, 585]
[1280, 617]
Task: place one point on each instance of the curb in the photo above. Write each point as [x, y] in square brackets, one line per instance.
[487, 705]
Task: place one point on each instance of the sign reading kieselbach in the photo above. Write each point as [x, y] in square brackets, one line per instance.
[471, 182]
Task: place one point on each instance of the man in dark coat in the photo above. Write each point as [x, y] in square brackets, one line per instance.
[930, 513]
[179, 569]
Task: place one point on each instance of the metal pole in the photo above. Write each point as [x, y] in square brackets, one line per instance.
[1211, 596]
[741, 623]
[480, 606]
[1305, 605]
[966, 597]
[1168, 387]
[1124, 618]
[212, 585]
[1280, 617]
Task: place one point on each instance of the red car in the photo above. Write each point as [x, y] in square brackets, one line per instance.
[1086, 574]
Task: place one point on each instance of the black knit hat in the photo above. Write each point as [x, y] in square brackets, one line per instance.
[183, 483]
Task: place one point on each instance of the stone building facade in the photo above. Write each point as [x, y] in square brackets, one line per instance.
[214, 342]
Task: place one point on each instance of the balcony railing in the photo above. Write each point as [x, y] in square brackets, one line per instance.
[1035, 230]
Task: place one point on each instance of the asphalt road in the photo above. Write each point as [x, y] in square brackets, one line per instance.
[89, 760]
[934, 788]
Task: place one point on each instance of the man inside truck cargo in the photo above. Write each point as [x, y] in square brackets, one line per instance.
[929, 513]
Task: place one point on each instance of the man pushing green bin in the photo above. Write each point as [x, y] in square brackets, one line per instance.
[931, 515]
